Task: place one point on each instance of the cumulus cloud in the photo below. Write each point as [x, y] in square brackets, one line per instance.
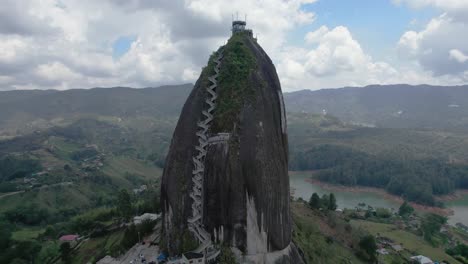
[54, 44]
[334, 59]
[458, 56]
[440, 46]
[457, 9]
[68, 44]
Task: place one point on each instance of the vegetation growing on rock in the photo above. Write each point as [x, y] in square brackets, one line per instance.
[233, 82]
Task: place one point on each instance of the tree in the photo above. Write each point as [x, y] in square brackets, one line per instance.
[383, 213]
[5, 234]
[325, 201]
[130, 237]
[67, 167]
[369, 248]
[405, 209]
[28, 250]
[314, 201]
[65, 252]
[227, 257]
[332, 203]
[431, 225]
[124, 205]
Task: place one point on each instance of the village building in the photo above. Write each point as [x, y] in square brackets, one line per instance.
[145, 217]
[421, 260]
[142, 189]
[396, 247]
[72, 239]
[192, 258]
[382, 251]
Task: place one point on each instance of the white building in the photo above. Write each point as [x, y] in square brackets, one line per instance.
[193, 258]
[421, 260]
[145, 217]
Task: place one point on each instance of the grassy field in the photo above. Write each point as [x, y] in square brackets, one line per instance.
[122, 166]
[320, 242]
[97, 248]
[408, 240]
[27, 233]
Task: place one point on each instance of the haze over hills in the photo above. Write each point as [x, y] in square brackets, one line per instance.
[397, 106]
[138, 123]
[24, 111]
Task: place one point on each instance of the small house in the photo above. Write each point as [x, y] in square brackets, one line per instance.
[145, 217]
[382, 251]
[72, 239]
[421, 260]
[396, 247]
[193, 258]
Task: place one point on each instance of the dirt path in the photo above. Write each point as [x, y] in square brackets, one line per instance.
[10, 194]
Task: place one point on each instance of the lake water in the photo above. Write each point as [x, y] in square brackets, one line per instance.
[350, 199]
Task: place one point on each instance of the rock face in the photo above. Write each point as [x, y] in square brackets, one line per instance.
[245, 184]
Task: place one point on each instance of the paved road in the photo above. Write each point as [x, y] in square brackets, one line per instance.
[149, 252]
[40, 188]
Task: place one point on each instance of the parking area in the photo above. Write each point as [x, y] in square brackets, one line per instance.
[136, 255]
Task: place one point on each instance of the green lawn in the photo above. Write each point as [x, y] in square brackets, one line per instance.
[27, 233]
[408, 240]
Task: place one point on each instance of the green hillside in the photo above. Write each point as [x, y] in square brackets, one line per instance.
[53, 128]
[395, 106]
[415, 164]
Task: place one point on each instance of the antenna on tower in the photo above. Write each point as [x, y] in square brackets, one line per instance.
[245, 18]
[237, 15]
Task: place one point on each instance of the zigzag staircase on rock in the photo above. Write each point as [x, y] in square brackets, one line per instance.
[195, 223]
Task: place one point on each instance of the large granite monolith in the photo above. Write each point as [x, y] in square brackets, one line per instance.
[234, 123]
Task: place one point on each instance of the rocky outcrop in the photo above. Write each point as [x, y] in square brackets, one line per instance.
[244, 201]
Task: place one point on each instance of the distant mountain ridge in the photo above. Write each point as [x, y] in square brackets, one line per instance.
[138, 124]
[22, 112]
[396, 106]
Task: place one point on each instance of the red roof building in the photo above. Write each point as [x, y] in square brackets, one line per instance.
[69, 238]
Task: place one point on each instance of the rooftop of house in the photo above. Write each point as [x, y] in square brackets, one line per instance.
[69, 237]
[193, 255]
[422, 259]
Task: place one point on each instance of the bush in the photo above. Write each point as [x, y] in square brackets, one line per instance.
[28, 215]
[405, 209]
[383, 213]
[368, 248]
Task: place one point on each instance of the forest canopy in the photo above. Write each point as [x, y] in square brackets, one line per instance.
[415, 180]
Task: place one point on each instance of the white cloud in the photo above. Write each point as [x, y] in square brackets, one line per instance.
[455, 8]
[436, 46]
[315, 36]
[458, 56]
[336, 60]
[68, 44]
[55, 71]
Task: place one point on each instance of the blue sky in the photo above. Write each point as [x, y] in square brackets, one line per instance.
[376, 24]
[122, 45]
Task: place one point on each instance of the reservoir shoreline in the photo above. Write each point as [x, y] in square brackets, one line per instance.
[381, 192]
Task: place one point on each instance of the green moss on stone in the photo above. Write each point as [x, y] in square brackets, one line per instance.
[233, 82]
